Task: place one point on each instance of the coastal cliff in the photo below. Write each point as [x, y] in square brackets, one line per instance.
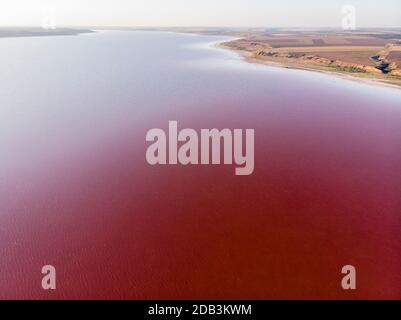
[360, 56]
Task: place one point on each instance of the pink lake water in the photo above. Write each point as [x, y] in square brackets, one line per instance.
[76, 191]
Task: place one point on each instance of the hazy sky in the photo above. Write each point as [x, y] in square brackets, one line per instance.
[252, 13]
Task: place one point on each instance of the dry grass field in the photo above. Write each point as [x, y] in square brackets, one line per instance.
[376, 53]
[395, 56]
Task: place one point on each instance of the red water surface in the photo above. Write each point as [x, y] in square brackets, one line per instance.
[325, 193]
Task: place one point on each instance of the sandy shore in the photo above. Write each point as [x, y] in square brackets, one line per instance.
[368, 79]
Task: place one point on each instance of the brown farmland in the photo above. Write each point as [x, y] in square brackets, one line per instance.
[374, 54]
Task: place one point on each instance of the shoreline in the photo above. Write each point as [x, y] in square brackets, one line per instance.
[246, 55]
[362, 78]
[10, 32]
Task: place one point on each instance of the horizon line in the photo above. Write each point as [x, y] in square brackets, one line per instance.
[199, 27]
